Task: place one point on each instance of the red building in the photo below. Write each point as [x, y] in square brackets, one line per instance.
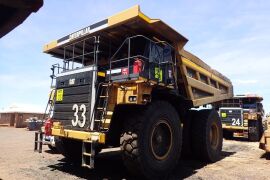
[16, 115]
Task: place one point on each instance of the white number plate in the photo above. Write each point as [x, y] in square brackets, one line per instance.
[79, 121]
[236, 122]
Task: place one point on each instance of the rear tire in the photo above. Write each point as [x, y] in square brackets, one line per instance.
[254, 130]
[207, 136]
[186, 145]
[151, 140]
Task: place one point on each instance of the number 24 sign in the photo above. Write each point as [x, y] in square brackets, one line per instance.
[236, 122]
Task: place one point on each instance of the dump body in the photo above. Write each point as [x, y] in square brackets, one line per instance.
[125, 66]
[203, 84]
[240, 113]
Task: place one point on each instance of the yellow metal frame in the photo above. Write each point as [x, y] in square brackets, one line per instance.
[234, 127]
[195, 67]
[50, 45]
[265, 141]
[117, 19]
[58, 130]
[124, 15]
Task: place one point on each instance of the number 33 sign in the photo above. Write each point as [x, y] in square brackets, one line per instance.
[76, 108]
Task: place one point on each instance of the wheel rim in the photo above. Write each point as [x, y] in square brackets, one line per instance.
[161, 140]
[214, 136]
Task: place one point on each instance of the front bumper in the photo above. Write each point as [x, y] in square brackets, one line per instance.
[224, 126]
[59, 131]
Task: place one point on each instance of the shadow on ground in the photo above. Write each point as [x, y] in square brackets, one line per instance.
[50, 151]
[237, 139]
[265, 156]
[109, 165]
[187, 168]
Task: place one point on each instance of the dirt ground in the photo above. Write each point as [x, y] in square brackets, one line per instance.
[240, 160]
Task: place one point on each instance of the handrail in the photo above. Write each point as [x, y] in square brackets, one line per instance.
[118, 49]
[129, 57]
[132, 37]
[159, 58]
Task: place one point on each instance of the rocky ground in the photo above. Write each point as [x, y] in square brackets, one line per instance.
[240, 160]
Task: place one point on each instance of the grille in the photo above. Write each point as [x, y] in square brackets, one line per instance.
[75, 101]
[232, 117]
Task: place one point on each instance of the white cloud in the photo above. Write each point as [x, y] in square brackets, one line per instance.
[23, 82]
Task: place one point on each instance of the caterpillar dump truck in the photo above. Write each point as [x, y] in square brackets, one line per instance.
[242, 116]
[127, 81]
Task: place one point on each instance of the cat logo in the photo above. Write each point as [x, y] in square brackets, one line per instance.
[71, 81]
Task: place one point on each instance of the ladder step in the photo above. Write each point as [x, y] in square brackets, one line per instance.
[109, 113]
[88, 166]
[87, 154]
[103, 120]
[103, 96]
[100, 108]
[87, 141]
[105, 85]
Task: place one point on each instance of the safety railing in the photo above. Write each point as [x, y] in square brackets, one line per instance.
[77, 55]
[81, 53]
[144, 57]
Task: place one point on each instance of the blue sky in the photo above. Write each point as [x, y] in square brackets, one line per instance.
[231, 36]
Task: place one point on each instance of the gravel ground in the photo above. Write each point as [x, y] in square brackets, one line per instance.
[240, 160]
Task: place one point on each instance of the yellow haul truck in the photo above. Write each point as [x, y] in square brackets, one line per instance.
[127, 81]
[242, 116]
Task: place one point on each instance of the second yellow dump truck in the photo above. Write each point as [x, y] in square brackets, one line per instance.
[242, 116]
[127, 81]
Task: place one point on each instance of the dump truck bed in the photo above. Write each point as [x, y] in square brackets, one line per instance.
[203, 84]
[198, 82]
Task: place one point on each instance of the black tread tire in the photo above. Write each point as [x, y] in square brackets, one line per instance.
[71, 149]
[254, 135]
[186, 145]
[201, 146]
[135, 140]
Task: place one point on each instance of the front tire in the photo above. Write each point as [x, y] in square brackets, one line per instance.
[207, 137]
[151, 140]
